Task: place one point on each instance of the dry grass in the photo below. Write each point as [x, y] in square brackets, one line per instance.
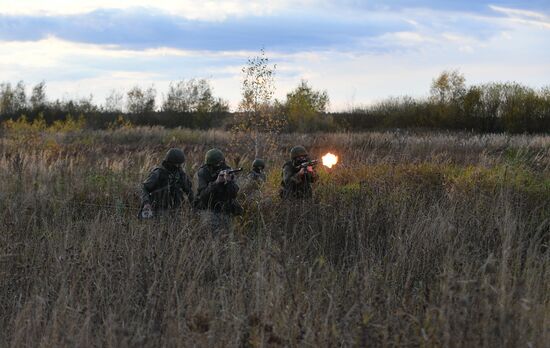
[415, 240]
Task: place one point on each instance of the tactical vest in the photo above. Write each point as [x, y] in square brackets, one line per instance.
[169, 194]
[294, 190]
[217, 201]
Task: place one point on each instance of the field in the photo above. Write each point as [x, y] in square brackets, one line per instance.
[415, 239]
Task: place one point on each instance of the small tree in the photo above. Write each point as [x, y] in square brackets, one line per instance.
[12, 100]
[192, 96]
[141, 101]
[304, 105]
[20, 97]
[114, 102]
[448, 91]
[6, 99]
[256, 122]
[448, 87]
[38, 96]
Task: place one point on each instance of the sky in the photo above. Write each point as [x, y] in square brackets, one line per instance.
[360, 52]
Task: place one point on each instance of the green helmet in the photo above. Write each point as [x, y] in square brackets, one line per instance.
[297, 151]
[214, 157]
[258, 163]
[174, 156]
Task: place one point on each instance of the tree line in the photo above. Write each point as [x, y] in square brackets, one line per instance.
[451, 104]
[491, 107]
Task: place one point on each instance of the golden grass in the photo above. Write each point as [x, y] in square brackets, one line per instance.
[415, 239]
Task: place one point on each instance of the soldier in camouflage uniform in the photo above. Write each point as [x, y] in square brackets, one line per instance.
[166, 186]
[253, 183]
[217, 191]
[296, 181]
[257, 173]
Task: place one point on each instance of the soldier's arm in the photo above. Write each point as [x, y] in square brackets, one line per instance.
[205, 188]
[313, 176]
[149, 185]
[232, 189]
[289, 176]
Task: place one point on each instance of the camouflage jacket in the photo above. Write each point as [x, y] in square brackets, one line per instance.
[255, 176]
[218, 197]
[165, 189]
[295, 186]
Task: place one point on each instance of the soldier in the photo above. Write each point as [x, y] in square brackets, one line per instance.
[217, 190]
[166, 185]
[253, 183]
[257, 173]
[297, 179]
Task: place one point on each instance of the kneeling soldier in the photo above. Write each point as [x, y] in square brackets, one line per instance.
[254, 181]
[257, 173]
[217, 189]
[166, 185]
[298, 175]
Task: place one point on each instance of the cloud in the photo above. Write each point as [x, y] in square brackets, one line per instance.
[327, 27]
[524, 17]
[358, 51]
[205, 10]
[519, 13]
[140, 29]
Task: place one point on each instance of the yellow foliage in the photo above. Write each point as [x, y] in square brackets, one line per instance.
[121, 123]
[23, 125]
[68, 125]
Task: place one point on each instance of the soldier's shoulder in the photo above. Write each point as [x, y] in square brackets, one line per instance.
[156, 172]
[203, 170]
[288, 164]
[158, 169]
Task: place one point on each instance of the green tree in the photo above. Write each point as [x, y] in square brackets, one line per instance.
[194, 95]
[304, 106]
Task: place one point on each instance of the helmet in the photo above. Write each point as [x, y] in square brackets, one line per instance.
[297, 151]
[214, 157]
[174, 156]
[258, 163]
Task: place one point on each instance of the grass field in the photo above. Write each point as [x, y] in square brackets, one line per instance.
[424, 239]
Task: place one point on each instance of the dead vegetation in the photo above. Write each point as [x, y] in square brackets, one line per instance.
[415, 239]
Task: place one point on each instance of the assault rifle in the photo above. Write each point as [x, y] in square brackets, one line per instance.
[311, 163]
[231, 171]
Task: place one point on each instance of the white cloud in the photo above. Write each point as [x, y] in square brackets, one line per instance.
[52, 51]
[519, 12]
[406, 38]
[74, 70]
[206, 9]
[524, 17]
[516, 51]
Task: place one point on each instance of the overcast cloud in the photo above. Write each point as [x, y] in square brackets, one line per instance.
[357, 52]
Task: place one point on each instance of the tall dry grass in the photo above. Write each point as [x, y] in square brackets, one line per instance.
[415, 240]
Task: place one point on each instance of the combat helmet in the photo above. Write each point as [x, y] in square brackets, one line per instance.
[213, 157]
[297, 151]
[174, 156]
[258, 163]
